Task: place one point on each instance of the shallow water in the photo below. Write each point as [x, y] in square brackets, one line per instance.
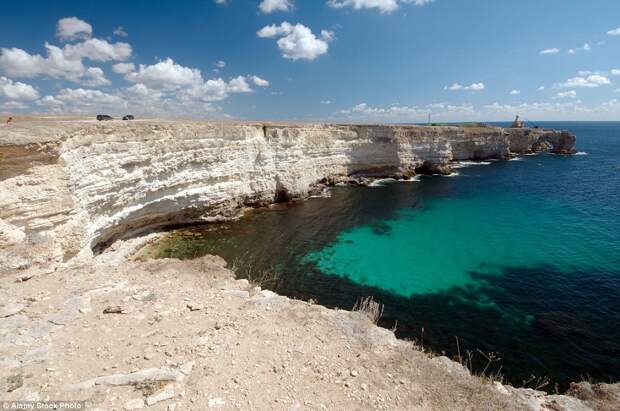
[519, 257]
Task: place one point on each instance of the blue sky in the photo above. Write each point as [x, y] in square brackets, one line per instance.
[335, 60]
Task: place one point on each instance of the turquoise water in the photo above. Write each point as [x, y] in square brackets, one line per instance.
[521, 257]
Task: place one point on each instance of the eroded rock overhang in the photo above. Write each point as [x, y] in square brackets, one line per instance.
[72, 184]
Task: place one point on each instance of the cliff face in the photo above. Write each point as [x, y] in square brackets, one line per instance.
[65, 185]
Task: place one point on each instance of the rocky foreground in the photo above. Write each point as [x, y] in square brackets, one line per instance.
[185, 335]
[82, 319]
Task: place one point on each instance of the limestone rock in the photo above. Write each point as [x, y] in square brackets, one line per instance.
[67, 185]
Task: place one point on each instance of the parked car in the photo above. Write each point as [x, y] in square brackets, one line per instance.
[128, 117]
[104, 117]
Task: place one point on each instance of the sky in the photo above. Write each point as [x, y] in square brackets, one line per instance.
[313, 60]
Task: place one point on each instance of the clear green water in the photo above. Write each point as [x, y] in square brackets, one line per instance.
[521, 258]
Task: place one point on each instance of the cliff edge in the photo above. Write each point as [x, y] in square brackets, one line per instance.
[71, 184]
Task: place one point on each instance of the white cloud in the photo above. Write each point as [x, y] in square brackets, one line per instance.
[326, 102]
[384, 6]
[220, 64]
[18, 63]
[98, 50]
[614, 32]
[615, 72]
[82, 101]
[165, 74]
[515, 92]
[270, 6]
[259, 81]
[239, 85]
[14, 90]
[591, 81]
[541, 88]
[13, 105]
[142, 90]
[72, 28]
[120, 32]
[220, 2]
[585, 47]
[216, 89]
[566, 94]
[65, 63]
[471, 87]
[297, 41]
[554, 50]
[395, 112]
[94, 77]
[123, 68]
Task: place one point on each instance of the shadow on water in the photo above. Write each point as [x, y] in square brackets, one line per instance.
[541, 320]
[535, 333]
[535, 330]
[551, 308]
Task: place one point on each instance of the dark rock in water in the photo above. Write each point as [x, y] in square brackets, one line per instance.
[429, 167]
[282, 194]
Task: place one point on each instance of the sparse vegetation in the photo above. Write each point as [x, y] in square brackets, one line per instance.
[370, 308]
[149, 387]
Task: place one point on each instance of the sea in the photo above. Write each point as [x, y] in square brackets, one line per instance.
[512, 267]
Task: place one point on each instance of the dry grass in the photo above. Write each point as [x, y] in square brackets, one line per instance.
[267, 279]
[370, 308]
[490, 360]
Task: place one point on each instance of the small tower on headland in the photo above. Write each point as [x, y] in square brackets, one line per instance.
[517, 123]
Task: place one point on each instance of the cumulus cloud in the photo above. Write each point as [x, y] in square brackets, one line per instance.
[98, 50]
[120, 32]
[72, 28]
[81, 100]
[365, 112]
[14, 90]
[566, 94]
[515, 92]
[165, 74]
[259, 81]
[16, 62]
[270, 6]
[94, 77]
[550, 51]
[163, 88]
[471, 87]
[585, 47]
[615, 72]
[384, 6]
[591, 81]
[13, 105]
[220, 64]
[67, 62]
[123, 68]
[614, 32]
[327, 102]
[297, 41]
[216, 89]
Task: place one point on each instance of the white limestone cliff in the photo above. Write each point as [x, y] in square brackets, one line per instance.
[67, 185]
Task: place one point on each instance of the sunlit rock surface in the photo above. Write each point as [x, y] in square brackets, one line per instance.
[66, 185]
